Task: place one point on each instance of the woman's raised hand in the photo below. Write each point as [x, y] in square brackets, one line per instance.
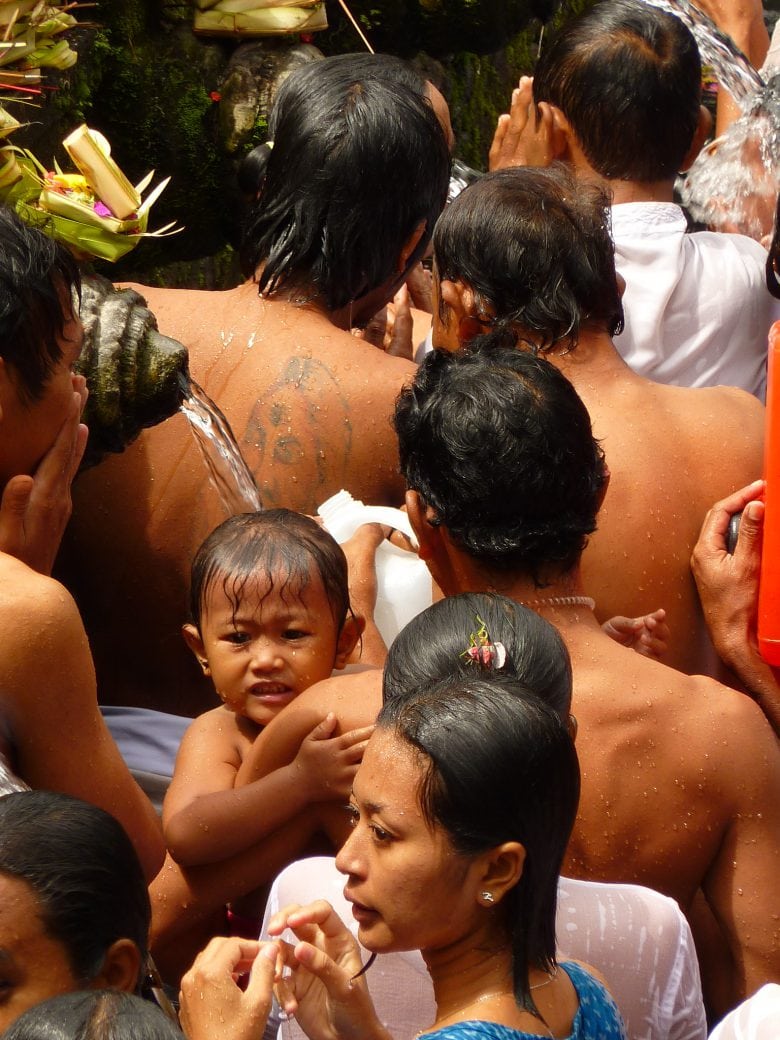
[213, 1005]
[320, 986]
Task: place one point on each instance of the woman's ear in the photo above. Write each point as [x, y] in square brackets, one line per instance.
[500, 869]
[192, 638]
[121, 967]
[351, 631]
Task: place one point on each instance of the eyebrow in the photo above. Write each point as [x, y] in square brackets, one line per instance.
[369, 807]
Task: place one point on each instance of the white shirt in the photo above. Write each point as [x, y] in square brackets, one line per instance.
[638, 938]
[757, 1019]
[697, 308]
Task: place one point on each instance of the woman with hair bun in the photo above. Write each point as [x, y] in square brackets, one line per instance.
[461, 813]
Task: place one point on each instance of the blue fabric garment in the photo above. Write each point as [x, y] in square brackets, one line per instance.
[597, 1018]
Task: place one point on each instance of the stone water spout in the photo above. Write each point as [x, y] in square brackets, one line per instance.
[135, 374]
[137, 378]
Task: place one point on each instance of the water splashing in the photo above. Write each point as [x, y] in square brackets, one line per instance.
[461, 176]
[730, 66]
[227, 468]
[732, 185]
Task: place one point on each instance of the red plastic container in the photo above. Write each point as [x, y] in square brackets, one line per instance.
[769, 591]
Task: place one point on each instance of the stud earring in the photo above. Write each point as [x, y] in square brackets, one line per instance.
[487, 897]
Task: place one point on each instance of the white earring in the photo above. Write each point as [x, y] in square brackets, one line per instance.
[487, 897]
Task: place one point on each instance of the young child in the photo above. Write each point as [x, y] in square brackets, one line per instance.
[270, 611]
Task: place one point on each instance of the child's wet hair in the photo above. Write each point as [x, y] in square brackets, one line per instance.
[276, 548]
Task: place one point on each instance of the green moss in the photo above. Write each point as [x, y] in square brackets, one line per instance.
[258, 134]
[145, 80]
[479, 90]
[147, 88]
[219, 271]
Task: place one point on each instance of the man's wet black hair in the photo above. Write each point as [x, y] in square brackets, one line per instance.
[534, 245]
[359, 162]
[498, 444]
[39, 288]
[627, 77]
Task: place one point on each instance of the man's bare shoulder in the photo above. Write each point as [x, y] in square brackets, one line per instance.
[698, 715]
[722, 731]
[26, 593]
[724, 428]
[716, 404]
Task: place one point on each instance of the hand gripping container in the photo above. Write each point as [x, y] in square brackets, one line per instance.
[404, 587]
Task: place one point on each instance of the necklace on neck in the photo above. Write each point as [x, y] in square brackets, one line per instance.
[551, 977]
[561, 601]
[485, 997]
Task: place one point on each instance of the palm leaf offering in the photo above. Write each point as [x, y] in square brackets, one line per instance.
[28, 40]
[97, 212]
[258, 17]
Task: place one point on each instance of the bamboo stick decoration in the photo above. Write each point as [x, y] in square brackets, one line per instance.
[357, 27]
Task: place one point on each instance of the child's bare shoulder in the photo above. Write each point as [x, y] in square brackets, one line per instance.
[219, 729]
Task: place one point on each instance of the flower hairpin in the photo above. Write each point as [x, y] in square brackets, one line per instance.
[483, 650]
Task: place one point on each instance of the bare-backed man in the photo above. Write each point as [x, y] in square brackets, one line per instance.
[353, 185]
[528, 251]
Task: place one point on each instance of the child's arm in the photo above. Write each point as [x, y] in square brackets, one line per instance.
[354, 698]
[207, 819]
[648, 635]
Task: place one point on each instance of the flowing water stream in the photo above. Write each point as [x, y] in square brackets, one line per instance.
[227, 469]
[733, 184]
[730, 66]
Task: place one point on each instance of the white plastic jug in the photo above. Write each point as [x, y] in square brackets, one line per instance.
[403, 581]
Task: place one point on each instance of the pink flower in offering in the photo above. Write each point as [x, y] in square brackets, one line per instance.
[101, 209]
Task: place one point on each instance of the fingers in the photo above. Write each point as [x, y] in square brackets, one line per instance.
[400, 343]
[59, 465]
[80, 388]
[16, 497]
[209, 990]
[331, 975]
[419, 282]
[497, 146]
[259, 989]
[356, 736]
[506, 149]
[751, 529]
[367, 536]
[222, 957]
[319, 914]
[713, 532]
[324, 729]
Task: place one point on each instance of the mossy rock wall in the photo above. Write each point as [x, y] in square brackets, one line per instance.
[154, 89]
